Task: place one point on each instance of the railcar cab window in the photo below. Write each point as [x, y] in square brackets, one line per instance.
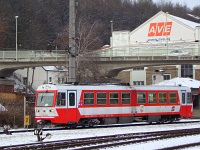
[61, 101]
[162, 98]
[45, 99]
[89, 98]
[151, 97]
[114, 99]
[141, 98]
[101, 98]
[189, 98]
[126, 98]
[172, 97]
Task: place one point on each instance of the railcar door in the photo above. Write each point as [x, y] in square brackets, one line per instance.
[183, 104]
[72, 106]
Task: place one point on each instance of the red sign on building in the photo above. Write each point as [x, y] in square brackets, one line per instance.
[160, 29]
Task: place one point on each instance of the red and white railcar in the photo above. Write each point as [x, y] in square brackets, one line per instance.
[71, 105]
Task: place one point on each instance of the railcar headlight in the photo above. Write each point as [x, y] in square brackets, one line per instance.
[37, 110]
[51, 110]
[47, 87]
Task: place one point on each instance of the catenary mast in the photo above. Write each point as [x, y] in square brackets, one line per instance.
[72, 47]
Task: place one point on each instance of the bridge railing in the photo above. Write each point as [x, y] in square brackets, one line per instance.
[146, 51]
[34, 54]
[111, 52]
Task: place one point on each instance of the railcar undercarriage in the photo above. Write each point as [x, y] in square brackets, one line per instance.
[90, 122]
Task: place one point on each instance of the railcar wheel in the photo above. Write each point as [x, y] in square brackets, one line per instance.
[91, 125]
[73, 126]
[83, 125]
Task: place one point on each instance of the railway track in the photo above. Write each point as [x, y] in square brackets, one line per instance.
[109, 141]
[100, 126]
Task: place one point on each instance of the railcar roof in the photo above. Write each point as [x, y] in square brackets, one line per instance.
[112, 87]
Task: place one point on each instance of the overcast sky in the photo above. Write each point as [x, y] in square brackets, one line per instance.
[189, 3]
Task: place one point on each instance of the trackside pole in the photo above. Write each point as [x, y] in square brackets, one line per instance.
[24, 111]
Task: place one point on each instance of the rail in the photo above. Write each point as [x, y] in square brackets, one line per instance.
[98, 142]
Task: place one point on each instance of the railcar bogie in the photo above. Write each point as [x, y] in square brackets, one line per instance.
[73, 126]
[90, 122]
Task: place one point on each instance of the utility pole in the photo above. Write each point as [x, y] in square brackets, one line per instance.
[16, 38]
[72, 46]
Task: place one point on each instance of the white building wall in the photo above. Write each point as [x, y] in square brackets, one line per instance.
[197, 33]
[41, 76]
[177, 31]
[120, 38]
[120, 43]
[157, 78]
[137, 76]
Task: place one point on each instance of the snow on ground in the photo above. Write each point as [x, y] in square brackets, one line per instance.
[29, 137]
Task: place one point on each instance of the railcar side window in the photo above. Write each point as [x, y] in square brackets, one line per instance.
[152, 98]
[61, 101]
[162, 98]
[114, 98]
[89, 98]
[172, 97]
[71, 99]
[125, 98]
[189, 98]
[141, 98]
[101, 98]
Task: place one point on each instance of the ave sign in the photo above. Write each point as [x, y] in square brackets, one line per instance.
[159, 29]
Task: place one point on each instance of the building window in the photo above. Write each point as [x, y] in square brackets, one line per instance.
[166, 76]
[153, 78]
[58, 80]
[138, 82]
[25, 81]
[50, 79]
[138, 68]
[187, 71]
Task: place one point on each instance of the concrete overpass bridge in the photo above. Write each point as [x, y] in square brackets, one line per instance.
[12, 60]
[115, 66]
